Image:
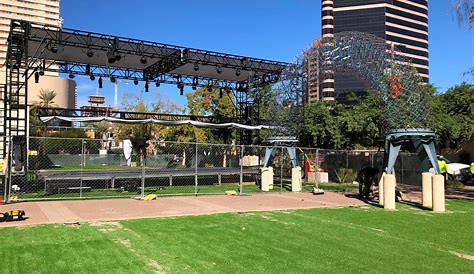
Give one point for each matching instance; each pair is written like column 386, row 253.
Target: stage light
column 181, row 88
column 196, row 67
column 90, row 53
column 92, row 77
column 219, row 69
column 88, row 69
column 111, row 58
column 118, row 57
column 135, row 82
column 238, row 72
column 221, row 92
column 143, row 60
column 100, row 82
column 184, row 55
column 41, row 72
column 54, row 49
column 157, row 83
column 37, row 77
column 71, row 76
column 209, row 87
column 147, row 87
column 113, row 79
column 195, row 82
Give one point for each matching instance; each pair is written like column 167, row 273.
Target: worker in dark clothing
column 366, row 178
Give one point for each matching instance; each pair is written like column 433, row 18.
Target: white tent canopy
column 46, row 119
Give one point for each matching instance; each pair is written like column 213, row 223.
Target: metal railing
column 67, row 168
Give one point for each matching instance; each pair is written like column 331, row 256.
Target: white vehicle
column 456, row 171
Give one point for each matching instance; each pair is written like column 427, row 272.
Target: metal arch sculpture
column 370, row 57
column 398, row 86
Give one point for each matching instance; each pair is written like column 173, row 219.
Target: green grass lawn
column 340, row 240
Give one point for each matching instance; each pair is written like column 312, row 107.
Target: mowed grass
column 339, row 240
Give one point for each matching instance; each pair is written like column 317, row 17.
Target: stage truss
column 34, row 49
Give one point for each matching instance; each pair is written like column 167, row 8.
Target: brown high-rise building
column 402, row 23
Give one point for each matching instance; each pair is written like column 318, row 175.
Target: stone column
column 438, row 193
column 389, row 191
column 426, row 188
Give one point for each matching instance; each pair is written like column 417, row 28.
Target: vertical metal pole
column 82, row 167
column 347, row 160
column 241, row 169
column 10, row 165
column 317, row 160
column 7, row 169
column 142, row 194
column 282, row 156
column 196, row 170
column 401, row 159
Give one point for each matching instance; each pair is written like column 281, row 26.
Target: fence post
column 241, row 169
column 7, row 169
column 8, row 186
column 282, row 156
column 317, row 160
column 196, row 170
column 82, row 167
column 347, row 160
column 142, row 192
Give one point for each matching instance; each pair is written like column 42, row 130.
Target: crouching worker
column 366, row 179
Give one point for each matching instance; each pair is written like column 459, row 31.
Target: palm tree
column 46, row 97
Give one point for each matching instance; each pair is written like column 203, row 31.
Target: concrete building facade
column 402, row 23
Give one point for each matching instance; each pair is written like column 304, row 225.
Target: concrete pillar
column 426, row 188
column 267, row 178
column 296, row 179
column 381, row 189
column 438, row 193
column 389, row 191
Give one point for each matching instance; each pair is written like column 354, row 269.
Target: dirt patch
column 462, row 255
column 124, row 242
column 107, row 226
column 155, row 266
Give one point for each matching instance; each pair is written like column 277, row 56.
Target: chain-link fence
column 67, row 168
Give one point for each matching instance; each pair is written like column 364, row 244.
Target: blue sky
column 269, row 29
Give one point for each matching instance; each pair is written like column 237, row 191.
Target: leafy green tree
column 452, row 115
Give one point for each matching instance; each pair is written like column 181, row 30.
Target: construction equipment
column 13, row 215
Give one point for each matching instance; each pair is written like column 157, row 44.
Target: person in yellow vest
column 443, row 168
column 472, row 168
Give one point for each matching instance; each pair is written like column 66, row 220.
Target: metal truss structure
column 390, row 76
column 34, row 49
column 399, row 88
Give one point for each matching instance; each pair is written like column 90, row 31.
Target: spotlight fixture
column 111, row 57
column 92, row 77
column 54, row 49
column 238, row 72
column 219, row 69
column 90, row 53
column 181, row 88
column 41, row 72
column 135, row 82
column 221, row 92
column 118, row 57
column 157, row 83
column 71, row 76
column 147, row 87
column 195, row 82
column 209, row 87
column 143, row 60
column 184, row 54
column 37, row 77
column 88, row 69
column 113, row 79
column 100, row 82
column 196, row 67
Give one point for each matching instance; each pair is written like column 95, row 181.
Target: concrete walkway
column 47, row 212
